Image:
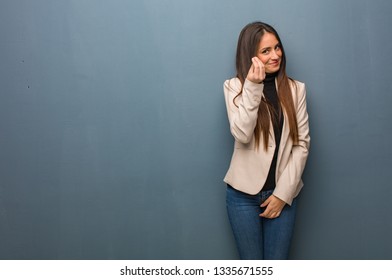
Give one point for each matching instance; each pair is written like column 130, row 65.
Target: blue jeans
column 256, row 237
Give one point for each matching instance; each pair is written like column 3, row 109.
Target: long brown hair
column 248, row 43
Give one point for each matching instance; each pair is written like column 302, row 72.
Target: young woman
column 269, row 122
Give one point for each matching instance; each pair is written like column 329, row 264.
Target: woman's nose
column 274, row 55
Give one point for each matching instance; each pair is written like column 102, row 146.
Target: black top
column 271, row 96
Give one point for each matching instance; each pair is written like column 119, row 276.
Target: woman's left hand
column 273, row 207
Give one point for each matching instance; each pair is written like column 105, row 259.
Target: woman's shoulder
column 297, row 83
column 297, row 86
column 298, row 90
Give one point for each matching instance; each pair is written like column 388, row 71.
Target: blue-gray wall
column 114, row 138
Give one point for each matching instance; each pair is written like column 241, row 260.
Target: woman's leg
column 278, row 233
column 243, row 211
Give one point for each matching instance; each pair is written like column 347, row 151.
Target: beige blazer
column 249, row 167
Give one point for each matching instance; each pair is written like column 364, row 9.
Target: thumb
column 265, row 203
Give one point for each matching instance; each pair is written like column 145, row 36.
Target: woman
column 269, row 122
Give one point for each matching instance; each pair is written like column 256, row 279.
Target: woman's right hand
column 256, row 72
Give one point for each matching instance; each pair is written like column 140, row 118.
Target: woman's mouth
column 274, row 63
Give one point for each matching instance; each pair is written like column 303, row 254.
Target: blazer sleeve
column 288, row 183
column 243, row 118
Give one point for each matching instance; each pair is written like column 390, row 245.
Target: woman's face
column 269, row 52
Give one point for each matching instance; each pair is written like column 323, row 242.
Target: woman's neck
column 270, row 76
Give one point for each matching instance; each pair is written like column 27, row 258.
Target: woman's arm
column 243, row 118
column 290, row 178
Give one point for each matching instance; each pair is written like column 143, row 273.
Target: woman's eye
column 265, row 52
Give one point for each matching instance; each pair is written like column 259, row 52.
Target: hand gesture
column 256, row 72
column 273, row 207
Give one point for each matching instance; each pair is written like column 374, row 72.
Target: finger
column 266, row 202
column 261, row 74
column 258, row 62
column 252, row 67
column 256, row 59
column 272, row 215
column 276, row 215
column 267, row 216
column 255, row 66
column 266, row 213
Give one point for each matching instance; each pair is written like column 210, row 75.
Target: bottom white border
column 195, row 269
